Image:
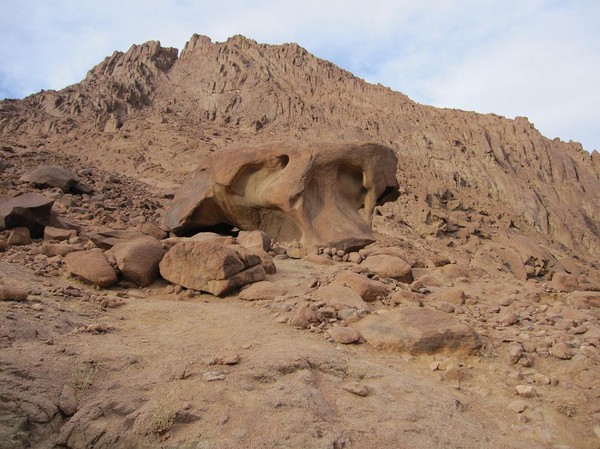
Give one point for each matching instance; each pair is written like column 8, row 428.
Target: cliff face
column 153, row 114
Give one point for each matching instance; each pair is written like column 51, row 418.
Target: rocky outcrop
column 317, row 194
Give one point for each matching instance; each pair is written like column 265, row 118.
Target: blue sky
column 534, row 58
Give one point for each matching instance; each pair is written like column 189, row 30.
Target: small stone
column 453, row 372
column 590, row 352
column 303, row 317
column 228, row 359
column 68, row 400
column 211, row 376
column 517, row 406
column 515, row 351
column 454, row 296
column 295, row 253
column 526, row 391
column 344, row 335
column 19, row 236
column 357, row 389
column 561, row 351
column 508, row 319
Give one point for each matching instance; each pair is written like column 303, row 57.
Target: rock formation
column 316, row 194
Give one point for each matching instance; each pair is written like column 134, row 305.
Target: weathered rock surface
column 210, row 267
column 319, row 194
column 29, row 210
column 93, row 266
column 418, row 330
column 138, row 259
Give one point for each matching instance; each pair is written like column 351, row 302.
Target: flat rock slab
column 418, row 330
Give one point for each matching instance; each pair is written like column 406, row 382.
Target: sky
column 533, row 58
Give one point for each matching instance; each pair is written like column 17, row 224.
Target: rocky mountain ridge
column 159, row 113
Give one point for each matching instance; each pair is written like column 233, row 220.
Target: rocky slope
column 473, row 321
column 158, row 113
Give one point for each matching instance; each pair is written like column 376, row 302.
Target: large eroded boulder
column 319, row 194
column 210, row 266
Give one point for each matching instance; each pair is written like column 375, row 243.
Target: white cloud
column 536, row 58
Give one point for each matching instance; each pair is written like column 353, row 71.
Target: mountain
column 156, row 113
column 472, row 321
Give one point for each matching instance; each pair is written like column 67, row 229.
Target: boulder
column 262, row 290
column 138, row 259
column 418, row 330
column 12, row 293
column 368, row 289
column 318, row 194
column 58, row 234
column 92, row 266
column 210, row 267
column 564, row 282
column 265, row 259
column 19, row 236
column 48, row 176
column 254, row 239
column 29, row 210
column 340, row 295
column 389, row 267
column 344, row 335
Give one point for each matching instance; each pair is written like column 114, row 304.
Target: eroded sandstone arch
column 319, row 194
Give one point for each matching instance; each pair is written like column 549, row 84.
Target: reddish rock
column 368, row 289
column 210, row 267
column 340, row 295
column 390, row 267
column 254, row 239
column 93, row 266
column 138, row 259
column 58, row 234
column 344, row 335
column 262, row 290
column 563, row 282
column 418, row 330
column 12, row 293
column 304, row 317
column 293, row 191
column 19, row 237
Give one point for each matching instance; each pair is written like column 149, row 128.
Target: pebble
column 358, row 389
column 211, row 376
column 517, row 406
column 526, row 391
